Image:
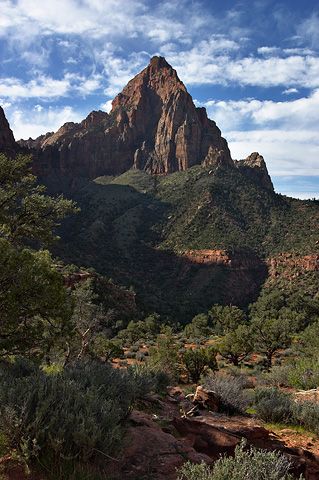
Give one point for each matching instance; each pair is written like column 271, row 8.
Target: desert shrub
column 197, row 362
column 65, row 418
column 130, row 354
column 232, row 398
column 140, row 356
column 253, row 464
column 147, row 379
column 134, row 348
column 122, row 363
column 261, row 361
column 194, row 471
column 241, row 375
column 306, row 414
column 279, row 375
column 305, row 374
column 272, row 405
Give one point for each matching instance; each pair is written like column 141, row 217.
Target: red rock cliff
column 154, row 126
column 7, row 142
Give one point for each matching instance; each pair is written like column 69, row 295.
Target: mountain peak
column 159, row 62
column 153, row 126
column 255, row 167
column 7, row 141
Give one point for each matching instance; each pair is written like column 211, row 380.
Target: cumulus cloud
column 42, row 87
column 42, row 119
column 285, row 133
column 48, row 88
column 199, row 66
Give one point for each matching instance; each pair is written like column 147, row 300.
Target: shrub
column 232, row 398
column 306, row 414
column 273, row 405
column 193, row 471
column 245, row 465
column 278, row 376
column 130, row 355
column 146, row 379
column 305, row 375
column 140, row 356
column 197, row 361
column 64, row 418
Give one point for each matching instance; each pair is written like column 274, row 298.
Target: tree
column 198, row 328
column 35, row 308
column 227, row 319
column 34, row 305
column 273, row 324
column 87, row 318
column 165, row 355
column 236, row 345
column 26, row 212
column 199, row 360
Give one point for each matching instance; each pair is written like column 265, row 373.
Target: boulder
column 206, row 398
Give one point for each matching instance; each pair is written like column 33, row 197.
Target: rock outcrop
column 153, row 126
column 7, row 141
column 255, row 168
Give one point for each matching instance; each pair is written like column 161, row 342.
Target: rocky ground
column 166, row 432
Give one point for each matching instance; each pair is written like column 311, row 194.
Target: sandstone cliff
column 7, row 142
column 255, row 168
column 153, row 126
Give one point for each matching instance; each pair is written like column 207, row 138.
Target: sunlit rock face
column 153, row 126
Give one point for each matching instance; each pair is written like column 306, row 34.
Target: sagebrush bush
column 306, row 414
column 140, row 356
column 305, row 375
column 273, row 405
column 245, row 465
column 147, row 379
column 279, row 375
column 74, row 416
column 232, row 399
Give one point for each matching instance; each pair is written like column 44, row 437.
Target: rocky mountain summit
column 153, row 126
column 7, row 142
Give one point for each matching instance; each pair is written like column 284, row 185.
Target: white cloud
column 42, row 87
column 42, row 119
column 282, row 150
column 107, row 106
column 309, row 30
column 48, row 88
column 120, row 71
column 285, row 133
column 302, row 113
column 289, row 91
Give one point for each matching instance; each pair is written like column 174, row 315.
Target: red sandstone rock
column 7, row 142
column 153, row 126
column 148, row 452
column 206, row 398
column 254, row 166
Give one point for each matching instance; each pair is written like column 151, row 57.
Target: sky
column 254, row 65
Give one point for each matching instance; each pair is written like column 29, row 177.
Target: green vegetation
column 34, row 306
column 199, row 360
column 253, row 464
column 67, row 419
column 62, row 404
column 136, row 228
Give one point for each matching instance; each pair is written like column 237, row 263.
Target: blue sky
column 253, row 64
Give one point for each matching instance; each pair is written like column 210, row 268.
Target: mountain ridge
column 153, row 126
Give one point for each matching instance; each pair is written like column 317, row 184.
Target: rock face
column 153, row 126
column 7, row 142
column 254, row 167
